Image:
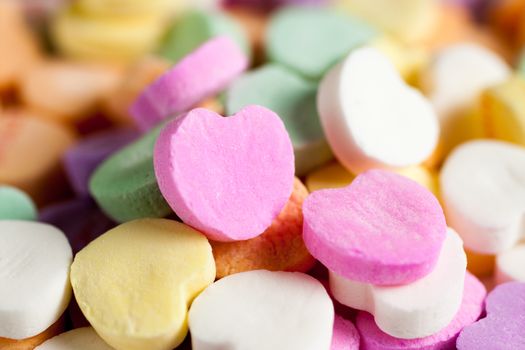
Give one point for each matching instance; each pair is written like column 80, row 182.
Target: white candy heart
column 34, row 277
column 371, row 118
column 510, row 265
column 261, row 310
column 483, row 194
column 78, row 339
column 414, row 310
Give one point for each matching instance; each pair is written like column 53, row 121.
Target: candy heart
column 471, row 308
column 345, row 335
column 413, row 310
column 293, row 99
column 382, row 229
column 279, row 248
column 16, row 204
column 135, row 282
column 227, row 177
column 79, row 339
column 509, row 265
column 312, row 39
column 201, row 74
column 504, row 324
column 483, row 193
column 34, row 277
column 260, row 310
column 371, row 118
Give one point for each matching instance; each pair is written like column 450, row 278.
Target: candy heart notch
column 34, row 277
column 371, row 118
column 227, row 177
column 415, row 310
column 504, row 324
column 483, row 194
column 382, row 229
column 135, row 282
column 260, row 310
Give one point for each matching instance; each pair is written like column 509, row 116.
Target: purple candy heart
column 82, row 159
column 504, row 326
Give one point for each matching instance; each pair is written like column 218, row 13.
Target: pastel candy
column 130, row 7
column 486, row 209
column 413, row 310
column 401, row 246
column 202, row 74
column 80, row 219
column 16, row 204
column 42, row 143
column 363, row 92
column 241, row 167
column 279, row 247
column 124, row 185
column 504, row 110
column 81, row 160
column 372, row 338
column 293, row 99
column 503, row 326
column 454, row 81
column 120, row 39
column 312, row 39
column 34, row 277
column 408, row 20
column 345, row 335
column 196, row 27
column 32, row 342
column 78, row 339
column 334, row 175
column 161, row 266
column 509, row 265
column 46, row 86
column 218, row 316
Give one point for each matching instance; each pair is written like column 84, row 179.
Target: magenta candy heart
column 227, row 177
column 201, row 74
column 345, row 336
column 382, row 229
column 372, row 338
column 504, row 326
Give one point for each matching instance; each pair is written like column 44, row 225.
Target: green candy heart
column 312, row 39
column 196, row 27
column 293, row 98
column 125, row 186
column 16, row 204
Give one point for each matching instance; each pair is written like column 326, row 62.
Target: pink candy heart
column 227, row 177
column 504, row 326
column 345, row 336
column 382, row 229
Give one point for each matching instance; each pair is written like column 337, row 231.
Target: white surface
column 261, row 310
column 459, row 73
column 371, row 118
column 510, row 265
column 483, row 194
column 415, row 310
column 34, row 277
column 78, row 339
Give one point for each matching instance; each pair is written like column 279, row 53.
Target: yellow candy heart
column 136, row 282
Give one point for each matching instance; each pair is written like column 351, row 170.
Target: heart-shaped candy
column 483, row 194
column 135, row 282
column 415, row 310
column 510, row 265
column 471, row 308
column 503, row 327
column 345, row 335
column 16, row 204
column 34, row 277
column 227, row 177
column 261, row 310
column 382, row 229
column 371, row 118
